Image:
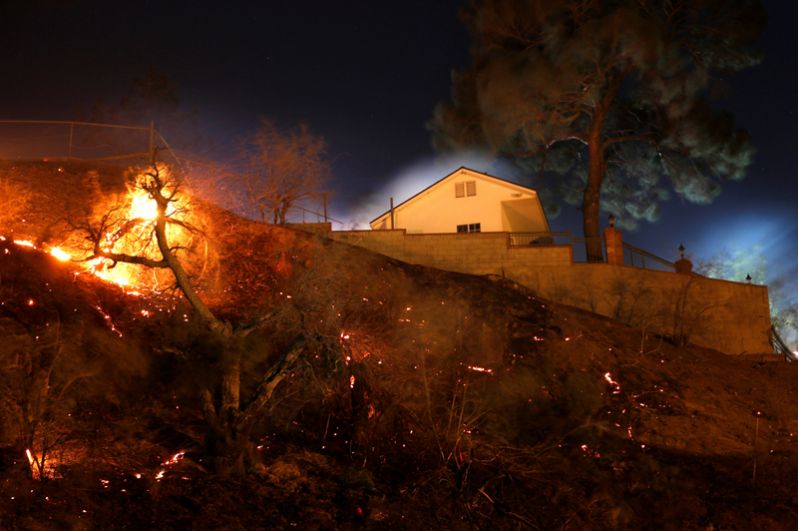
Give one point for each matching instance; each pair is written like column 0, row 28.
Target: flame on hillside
column 41, row 468
column 125, row 224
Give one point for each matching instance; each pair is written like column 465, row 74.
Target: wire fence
column 83, row 141
column 132, row 145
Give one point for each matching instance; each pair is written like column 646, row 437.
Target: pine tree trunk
column 591, row 202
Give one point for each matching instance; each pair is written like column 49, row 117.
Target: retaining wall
column 728, row 316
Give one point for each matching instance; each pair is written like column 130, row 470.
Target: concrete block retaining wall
column 728, row 316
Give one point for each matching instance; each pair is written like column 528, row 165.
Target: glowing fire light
column 40, row 468
column 174, row 459
column 60, row 254
column 476, row 368
column 142, row 206
column 130, row 231
column 169, row 462
column 616, row 386
column 108, row 321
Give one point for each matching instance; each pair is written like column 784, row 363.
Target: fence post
column 71, row 131
column 151, row 143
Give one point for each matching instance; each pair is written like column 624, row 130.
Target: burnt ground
column 458, row 402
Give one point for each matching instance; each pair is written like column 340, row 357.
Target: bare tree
column 283, row 168
column 230, row 418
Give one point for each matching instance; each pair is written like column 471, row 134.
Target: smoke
column 760, row 245
column 414, row 177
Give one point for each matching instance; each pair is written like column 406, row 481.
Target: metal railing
column 532, row 239
column 633, row 256
column 638, row 257
column 780, row 347
column 525, row 239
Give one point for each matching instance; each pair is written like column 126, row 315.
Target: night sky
column 366, row 76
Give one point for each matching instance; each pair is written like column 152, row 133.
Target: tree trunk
column 591, row 202
column 231, row 386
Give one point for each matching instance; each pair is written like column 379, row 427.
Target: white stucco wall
column 438, row 210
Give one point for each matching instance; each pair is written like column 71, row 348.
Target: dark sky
column 366, row 75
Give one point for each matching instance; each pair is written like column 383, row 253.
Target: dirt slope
column 474, row 404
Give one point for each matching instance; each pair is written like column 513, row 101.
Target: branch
column 130, row 259
column 270, row 382
column 210, row 411
column 245, row 330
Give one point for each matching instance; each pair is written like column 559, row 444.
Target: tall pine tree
column 604, row 99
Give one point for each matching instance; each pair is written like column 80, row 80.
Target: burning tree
column 282, row 169
column 154, row 227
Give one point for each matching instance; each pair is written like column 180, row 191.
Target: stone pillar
column 683, row 265
column 613, row 239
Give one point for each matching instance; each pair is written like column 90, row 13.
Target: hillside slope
column 463, row 402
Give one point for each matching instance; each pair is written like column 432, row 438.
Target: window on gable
column 465, row 188
column 469, row 227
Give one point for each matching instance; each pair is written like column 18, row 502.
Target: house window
column 465, row 188
column 469, row 227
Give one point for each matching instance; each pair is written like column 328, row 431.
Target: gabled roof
column 480, row 174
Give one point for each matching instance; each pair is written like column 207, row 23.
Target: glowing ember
column 616, row 386
column 25, row 243
column 30, row 302
column 109, row 321
column 352, row 381
column 476, row 368
column 174, row 459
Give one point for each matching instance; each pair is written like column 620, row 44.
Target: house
column 467, row 201
column 728, row 316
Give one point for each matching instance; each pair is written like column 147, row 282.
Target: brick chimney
column 613, row 240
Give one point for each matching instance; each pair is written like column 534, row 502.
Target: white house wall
column 437, row 210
